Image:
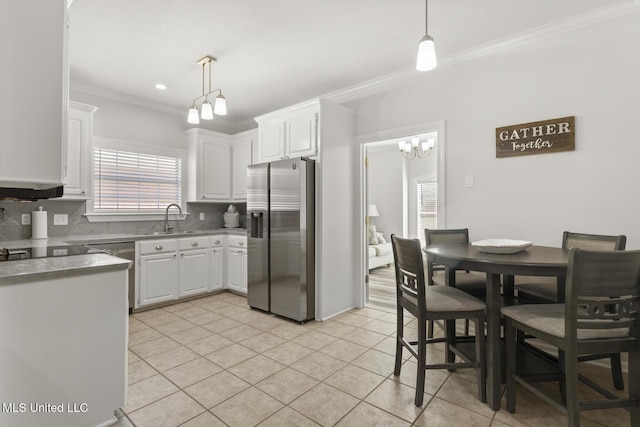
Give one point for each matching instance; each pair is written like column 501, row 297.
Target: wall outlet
column 60, row 219
column 201, row 216
column 26, row 219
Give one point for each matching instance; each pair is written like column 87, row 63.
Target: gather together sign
column 547, row 136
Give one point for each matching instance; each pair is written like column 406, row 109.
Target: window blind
column 126, row 181
column 427, row 207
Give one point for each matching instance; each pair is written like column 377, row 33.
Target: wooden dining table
column 533, row 261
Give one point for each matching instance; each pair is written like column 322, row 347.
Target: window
column 427, row 202
column 134, row 181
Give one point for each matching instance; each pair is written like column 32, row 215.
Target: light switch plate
column 201, row 216
column 60, row 219
column 26, row 219
column 468, row 181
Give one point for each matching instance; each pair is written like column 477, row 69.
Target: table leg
column 494, row 382
column 508, row 287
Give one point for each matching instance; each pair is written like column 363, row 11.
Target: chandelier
column 206, row 111
column 416, row 149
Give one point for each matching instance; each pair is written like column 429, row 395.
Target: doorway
column 389, row 195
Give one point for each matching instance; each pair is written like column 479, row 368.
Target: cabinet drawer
column 198, row 242
column 217, row 241
column 157, row 246
column 237, row 241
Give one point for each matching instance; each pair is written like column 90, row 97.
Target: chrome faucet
column 167, row 228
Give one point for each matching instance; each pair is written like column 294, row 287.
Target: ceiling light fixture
column 161, row 86
column 426, row 48
column 206, row 111
column 416, row 149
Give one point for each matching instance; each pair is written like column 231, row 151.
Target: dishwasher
column 126, row 250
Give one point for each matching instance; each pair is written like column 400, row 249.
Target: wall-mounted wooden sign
column 547, row 136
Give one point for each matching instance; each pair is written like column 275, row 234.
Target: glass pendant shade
column 220, row 107
column 207, row 111
column 193, row 116
column 426, row 54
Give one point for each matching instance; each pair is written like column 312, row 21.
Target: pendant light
column 426, row 48
column 206, row 110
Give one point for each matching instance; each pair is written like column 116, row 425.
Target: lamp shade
column 220, row 107
column 426, row 54
column 373, row 210
column 207, row 111
column 193, row 116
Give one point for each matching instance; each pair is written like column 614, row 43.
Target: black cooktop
column 42, row 252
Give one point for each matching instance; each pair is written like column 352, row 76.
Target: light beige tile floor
column 215, row 362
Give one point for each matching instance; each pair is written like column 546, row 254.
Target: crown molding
column 605, row 13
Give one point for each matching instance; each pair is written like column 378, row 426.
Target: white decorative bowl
column 501, row 246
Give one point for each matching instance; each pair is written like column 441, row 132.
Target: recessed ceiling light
column 161, row 86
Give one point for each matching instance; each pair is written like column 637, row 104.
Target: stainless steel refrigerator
column 281, row 237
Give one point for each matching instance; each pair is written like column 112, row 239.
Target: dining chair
column 544, row 290
column 584, row 324
column 428, row 303
column 471, row 283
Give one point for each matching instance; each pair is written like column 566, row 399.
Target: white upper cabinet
column 34, row 88
column 302, row 136
column 209, row 169
column 217, row 169
column 270, row 142
column 292, row 132
column 77, row 167
column 241, row 153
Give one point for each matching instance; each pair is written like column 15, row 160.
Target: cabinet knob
column 217, row 242
column 194, row 244
column 159, row 248
column 241, row 243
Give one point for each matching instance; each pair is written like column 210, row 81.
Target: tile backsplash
column 11, row 214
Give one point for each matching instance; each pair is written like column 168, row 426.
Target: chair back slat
column 603, row 289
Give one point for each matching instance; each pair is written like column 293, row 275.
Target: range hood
column 29, row 194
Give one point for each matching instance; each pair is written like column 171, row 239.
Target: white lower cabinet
column 217, row 263
column 237, row 263
column 170, row 269
column 158, row 275
column 237, row 270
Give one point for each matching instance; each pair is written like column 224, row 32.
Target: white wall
column 337, row 235
column 591, row 73
column 127, row 122
column 385, row 188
